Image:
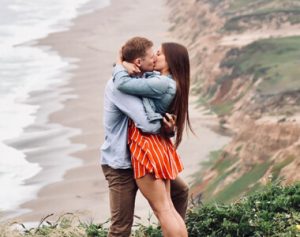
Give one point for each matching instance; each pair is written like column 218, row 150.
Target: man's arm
column 133, row 107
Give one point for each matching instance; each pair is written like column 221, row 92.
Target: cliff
column 245, row 68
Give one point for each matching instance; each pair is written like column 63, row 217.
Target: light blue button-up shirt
column 118, row 108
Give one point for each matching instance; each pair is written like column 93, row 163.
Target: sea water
column 26, row 68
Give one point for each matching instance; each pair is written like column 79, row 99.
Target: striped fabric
column 152, row 153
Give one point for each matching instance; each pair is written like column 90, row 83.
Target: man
column 116, row 164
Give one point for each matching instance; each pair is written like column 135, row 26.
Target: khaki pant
column 122, row 193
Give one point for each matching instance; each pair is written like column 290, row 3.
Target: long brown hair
column 178, row 61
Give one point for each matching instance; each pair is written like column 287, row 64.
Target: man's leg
column 179, row 195
column 122, row 193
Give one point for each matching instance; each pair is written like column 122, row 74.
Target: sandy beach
column 94, row 40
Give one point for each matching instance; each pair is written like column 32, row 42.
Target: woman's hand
column 169, row 124
column 131, row 68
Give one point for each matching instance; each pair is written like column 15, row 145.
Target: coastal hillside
column 245, row 59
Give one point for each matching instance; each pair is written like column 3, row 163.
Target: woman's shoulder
column 163, row 81
column 158, row 76
column 151, row 74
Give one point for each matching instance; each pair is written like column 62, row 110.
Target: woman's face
column 161, row 64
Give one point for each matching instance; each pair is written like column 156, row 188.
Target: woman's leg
column 156, row 192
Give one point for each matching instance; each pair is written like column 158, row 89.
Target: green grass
column 275, row 60
column 237, row 188
column 67, row 225
column 224, row 165
column 254, row 5
column 223, row 108
column 201, row 101
column 279, row 166
column 212, row 158
column 238, row 5
column 220, row 162
column 239, row 148
column 274, row 210
column 258, row 11
column 211, row 187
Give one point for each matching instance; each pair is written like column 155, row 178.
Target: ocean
column 25, row 69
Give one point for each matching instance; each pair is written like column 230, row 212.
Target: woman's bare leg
column 157, row 194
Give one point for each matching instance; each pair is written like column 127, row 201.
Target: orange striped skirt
column 152, row 153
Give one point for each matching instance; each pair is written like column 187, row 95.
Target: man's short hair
column 134, row 48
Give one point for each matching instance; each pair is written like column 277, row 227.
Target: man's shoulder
column 118, row 96
column 109, row 83
column 109, row 86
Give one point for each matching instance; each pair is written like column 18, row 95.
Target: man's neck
column 140, row 74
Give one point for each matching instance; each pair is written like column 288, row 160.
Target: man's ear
column 137, row 62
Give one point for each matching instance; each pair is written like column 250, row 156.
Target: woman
column 154, row 157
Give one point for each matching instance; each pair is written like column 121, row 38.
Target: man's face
column 147, row 62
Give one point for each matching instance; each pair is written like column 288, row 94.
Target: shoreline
column 83, row 189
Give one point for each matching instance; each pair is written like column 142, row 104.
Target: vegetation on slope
column 273, row 211
column 273, row 61
column 242, row 15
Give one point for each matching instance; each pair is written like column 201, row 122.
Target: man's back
column 118, row 108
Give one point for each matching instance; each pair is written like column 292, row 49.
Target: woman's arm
column 151, row 87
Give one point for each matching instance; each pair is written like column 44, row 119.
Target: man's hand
column 169, row 125
column 131, row 68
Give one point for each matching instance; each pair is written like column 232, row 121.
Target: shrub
column 274, row 211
